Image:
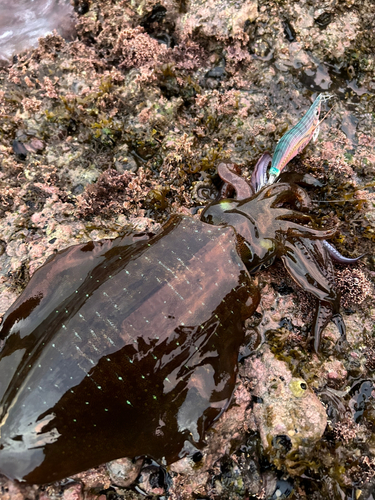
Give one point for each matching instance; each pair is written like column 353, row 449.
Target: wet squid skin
column 129, row 347
column 122, row 348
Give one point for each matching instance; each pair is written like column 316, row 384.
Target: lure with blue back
column 297, row 138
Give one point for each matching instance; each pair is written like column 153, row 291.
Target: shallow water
column 23, row 22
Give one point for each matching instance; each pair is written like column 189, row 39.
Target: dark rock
column 289, row 31
column 323, row 20
column 282, row 289
column 218, row 72
column 19, row 150
column 155, row 16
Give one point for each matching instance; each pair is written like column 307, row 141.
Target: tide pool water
column 23, row 22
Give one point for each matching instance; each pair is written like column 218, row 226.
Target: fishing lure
column 297, row 138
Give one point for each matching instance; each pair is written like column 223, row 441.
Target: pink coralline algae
column 354, row 286
column 136, row 48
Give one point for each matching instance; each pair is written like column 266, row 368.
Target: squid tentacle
column 296, row 194
column 297, row 230
column 316, row 279
column 292, row 214
column 286, row 193
column 323, row 315
column 304, row 180
column 242, row 188
column 287, row 177
column 336, row 255
column 275, row 190
column 258, row 178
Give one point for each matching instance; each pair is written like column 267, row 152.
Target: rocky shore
column 124, row 125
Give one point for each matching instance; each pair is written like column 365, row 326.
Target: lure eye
column 317, row 112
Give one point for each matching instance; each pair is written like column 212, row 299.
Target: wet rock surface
column 287, row 414
column 123, row 126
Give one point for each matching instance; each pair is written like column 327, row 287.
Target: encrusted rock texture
column 126, row 124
